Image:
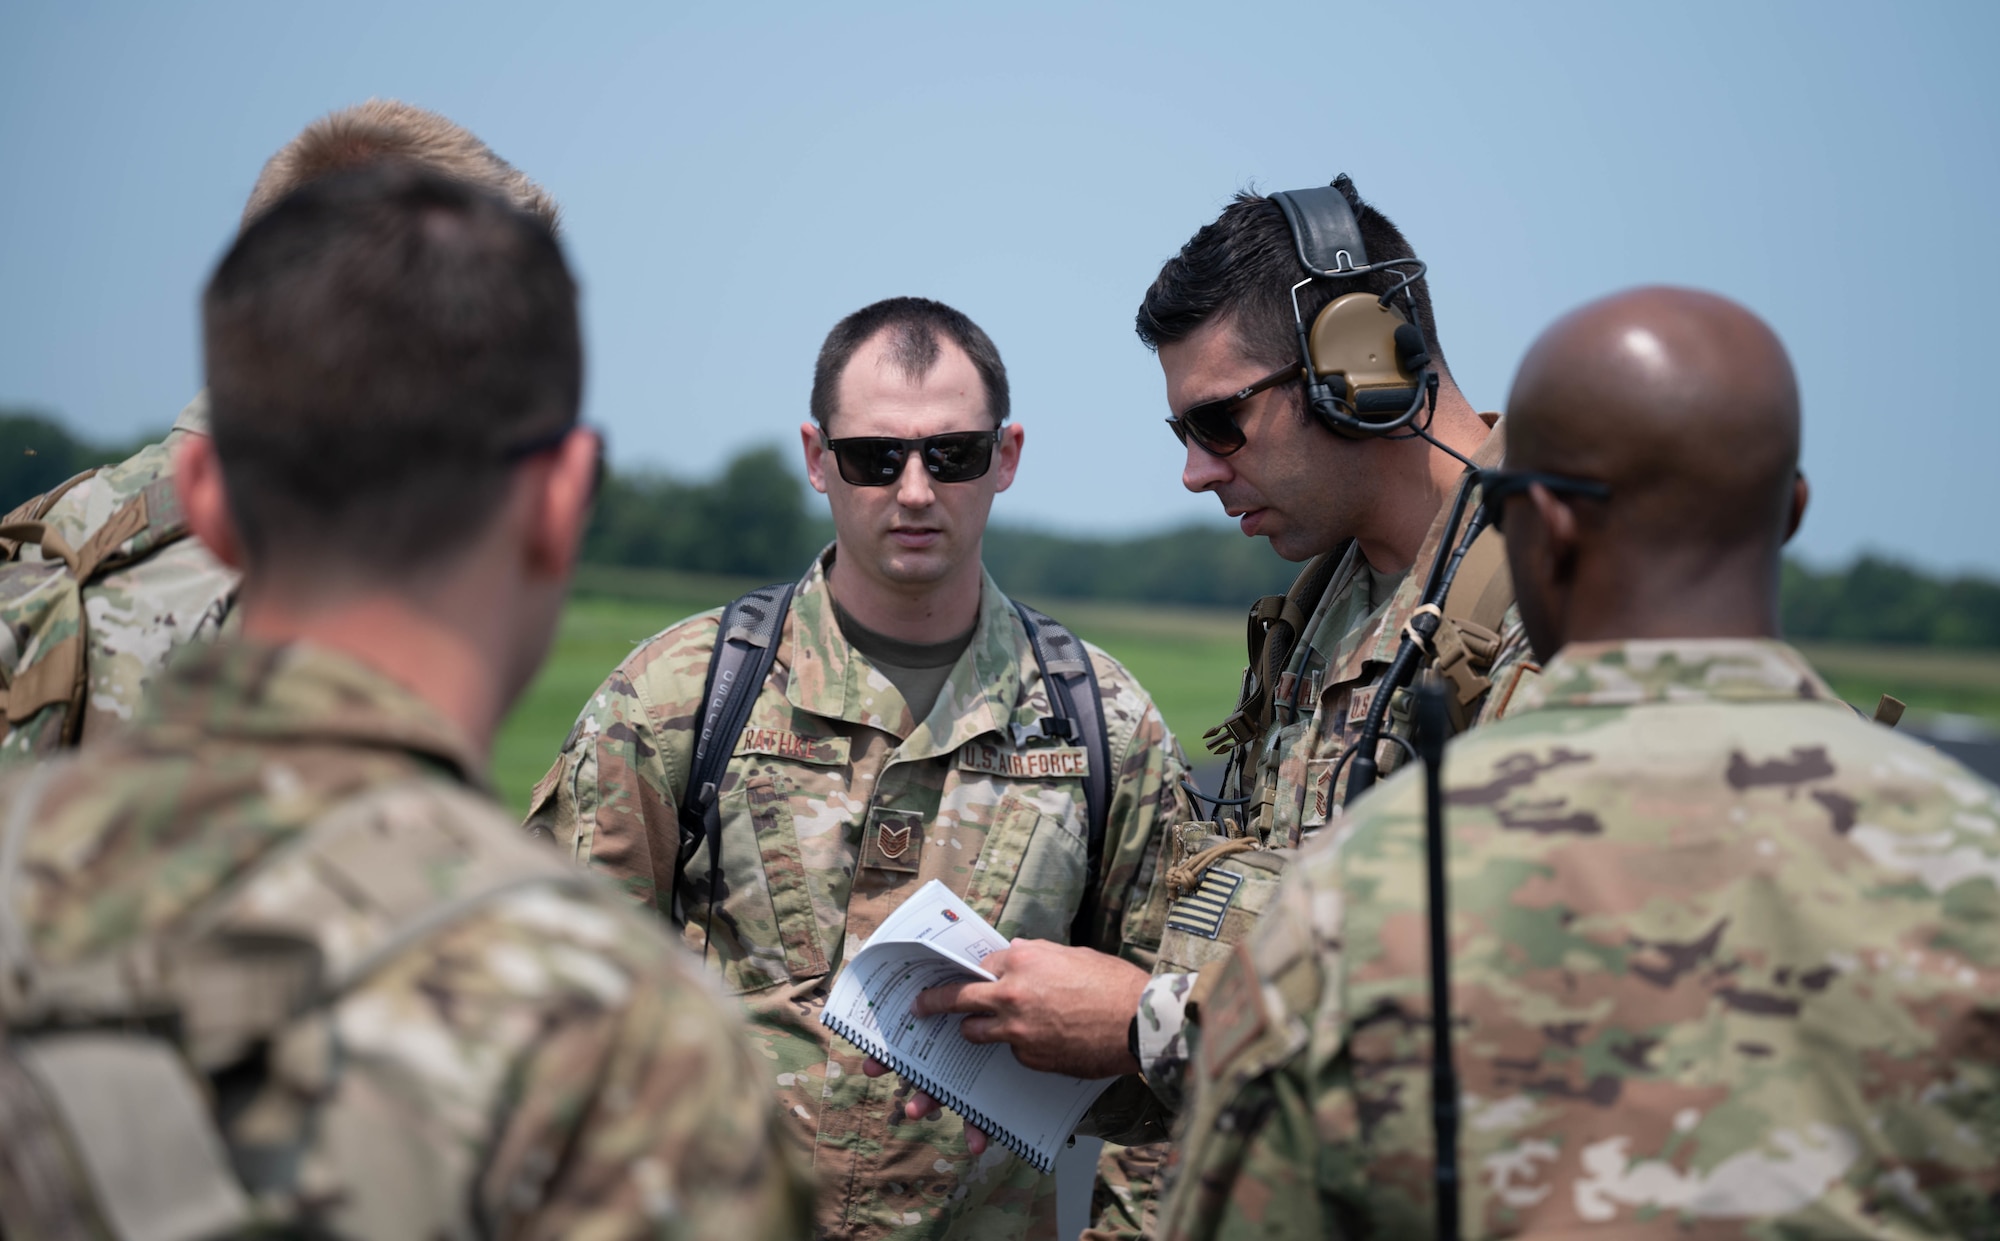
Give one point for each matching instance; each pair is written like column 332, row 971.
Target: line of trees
column 757, row 518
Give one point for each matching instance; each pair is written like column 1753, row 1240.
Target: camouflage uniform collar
column 1679, row 670
column 241, row 688
column 977, row 699
column 194, row 418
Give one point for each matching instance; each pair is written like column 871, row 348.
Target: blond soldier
column 898, row 738
column 274, row 959
column 103, row 582
column 1723, row 953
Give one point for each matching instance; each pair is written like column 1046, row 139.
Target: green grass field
column 1190, row 659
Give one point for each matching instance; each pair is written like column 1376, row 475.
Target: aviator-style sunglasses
column 878, row 460
column 1496, row 487
column 1212, row 424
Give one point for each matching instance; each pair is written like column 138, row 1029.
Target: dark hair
column 1244, row 265
column 915, row 324
column 376, row 344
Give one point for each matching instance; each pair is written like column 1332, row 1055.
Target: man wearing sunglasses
column 1723, row 953
column 900, row 736
column 1367, row 515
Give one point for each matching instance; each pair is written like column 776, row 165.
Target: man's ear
column 809, row 438
column 205, row 501
column 1559, row 532
column 1011, row 439
column 1801, row 496
column 562, row 502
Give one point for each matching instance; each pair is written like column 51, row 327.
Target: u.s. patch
column 1200, row 911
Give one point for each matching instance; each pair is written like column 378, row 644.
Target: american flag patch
column 1200, row 911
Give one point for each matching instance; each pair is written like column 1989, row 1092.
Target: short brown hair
column 1242, row 266
column 387, row 129
column 914, row 325
column 381, row 345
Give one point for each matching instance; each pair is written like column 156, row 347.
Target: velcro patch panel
column 1200, row 911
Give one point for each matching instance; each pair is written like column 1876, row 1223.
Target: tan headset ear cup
column 1354, row 337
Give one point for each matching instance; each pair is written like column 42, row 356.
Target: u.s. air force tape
column 1053, row 763
column 1200, row 911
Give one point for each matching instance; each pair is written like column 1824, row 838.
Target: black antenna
column 1433, row 724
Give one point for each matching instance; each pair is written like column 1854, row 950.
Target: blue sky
column 736, row 178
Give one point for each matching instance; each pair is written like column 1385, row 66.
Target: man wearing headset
column 899, row 736
column 1723, row 955
column 1319, row 410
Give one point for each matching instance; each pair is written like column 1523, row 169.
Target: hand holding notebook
column 933, row 939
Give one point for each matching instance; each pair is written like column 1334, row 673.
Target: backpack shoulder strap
column 34, row 511
column 746, row 645
column 1275, row 624
column 1472, row 615
column 1078, row 704
column 59, row 671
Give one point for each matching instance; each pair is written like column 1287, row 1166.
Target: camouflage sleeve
column 595, row 1085
column 1125, row 1202
column 1259, row 1152
column 1146, row 800
column 612, row 799
column 1163, row 1042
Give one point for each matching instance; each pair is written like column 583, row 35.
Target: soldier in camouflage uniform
column 1722, row 953
column 292, row 869
column 88, row 619
column 843, row 797
column 1369, row 517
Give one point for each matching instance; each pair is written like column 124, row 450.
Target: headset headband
column 1323, row 225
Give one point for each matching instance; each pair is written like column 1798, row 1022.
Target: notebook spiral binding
column 909, row 1073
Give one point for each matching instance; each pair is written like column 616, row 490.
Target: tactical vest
column 44, row 655
column 109, row 1067
column 1222, row 874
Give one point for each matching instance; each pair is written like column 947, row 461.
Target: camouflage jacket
column 1288, row 779
column 1724, row 965
column 838, row 805
column 133, row 615
column 542, row 1063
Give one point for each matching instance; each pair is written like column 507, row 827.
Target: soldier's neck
column 924, row 613
column 1638, row 593
column 435, row 657
column 1423, row 478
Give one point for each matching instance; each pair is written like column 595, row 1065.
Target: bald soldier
column 1723, row 954
column 99, row 579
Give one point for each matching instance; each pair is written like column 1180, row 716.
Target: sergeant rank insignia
column 1200, row 911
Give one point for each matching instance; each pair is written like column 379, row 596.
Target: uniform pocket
column 1030, row 874
column 765, row 932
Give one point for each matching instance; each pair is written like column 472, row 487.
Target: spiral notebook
column 932, row 939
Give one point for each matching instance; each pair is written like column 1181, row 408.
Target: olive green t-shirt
column 918, row 670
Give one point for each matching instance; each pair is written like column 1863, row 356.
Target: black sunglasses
column 1496, row 487
column 878, row 460
column 514, row 454
column 1212, row 424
